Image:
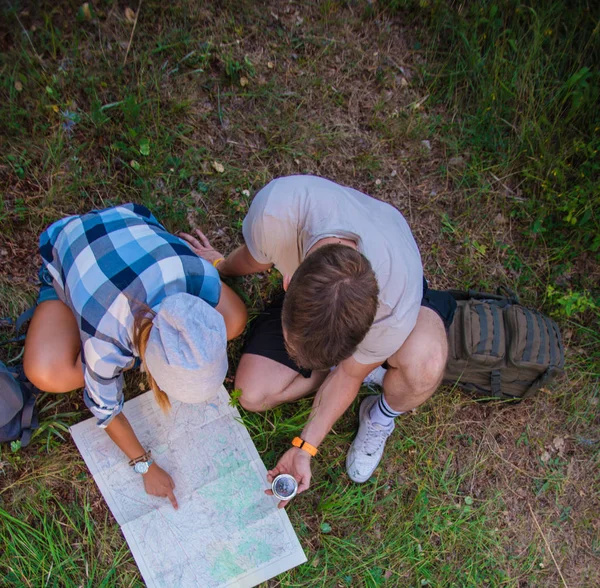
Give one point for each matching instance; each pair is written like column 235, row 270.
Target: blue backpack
column 18, row 416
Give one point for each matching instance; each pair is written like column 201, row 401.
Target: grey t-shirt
column 289, row 215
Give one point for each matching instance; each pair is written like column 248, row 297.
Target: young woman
column 119, row 290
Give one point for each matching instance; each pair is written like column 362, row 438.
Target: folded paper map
column 226, row 532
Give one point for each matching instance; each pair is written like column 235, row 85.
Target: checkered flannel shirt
column 101, row 264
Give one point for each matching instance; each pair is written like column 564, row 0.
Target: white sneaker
column 375, row 378
column 366, row 450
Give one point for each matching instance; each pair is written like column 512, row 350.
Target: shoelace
column 375, row 438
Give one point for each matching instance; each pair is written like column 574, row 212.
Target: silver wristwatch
column 142, row 467
column 142, row 464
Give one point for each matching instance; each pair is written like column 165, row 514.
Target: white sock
column 382, row 413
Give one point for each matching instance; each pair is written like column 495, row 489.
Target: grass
column 506, row 95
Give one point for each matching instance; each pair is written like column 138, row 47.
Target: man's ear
column 286, row 281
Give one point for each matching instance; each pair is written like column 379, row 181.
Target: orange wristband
column 302, row 444
column 216, row 262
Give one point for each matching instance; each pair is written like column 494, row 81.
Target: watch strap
column 302, row 444
column 145, row 457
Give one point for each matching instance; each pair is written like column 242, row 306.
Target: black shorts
column 266, row 332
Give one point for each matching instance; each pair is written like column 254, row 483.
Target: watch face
column 141, row 467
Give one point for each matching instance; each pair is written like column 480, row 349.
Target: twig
column 28, row 38
column 547, row 545
column 219, row 111
column 511, row 192
column 137, row 14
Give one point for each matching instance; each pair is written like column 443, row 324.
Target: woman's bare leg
column 52, row 359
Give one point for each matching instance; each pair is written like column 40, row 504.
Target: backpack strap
column 26, row 420
column 496, row 384
column 547, row 376
column 475, row 295
column 506, row 292
column 15, row 340
column 24, row 317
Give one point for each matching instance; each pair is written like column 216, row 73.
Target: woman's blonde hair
column 142, row 324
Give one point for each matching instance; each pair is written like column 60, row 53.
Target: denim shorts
column 47, row 289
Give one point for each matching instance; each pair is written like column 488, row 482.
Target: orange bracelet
column 302, row 444
column 216, row 262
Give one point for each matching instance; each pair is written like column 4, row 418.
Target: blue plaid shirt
column 101, row 264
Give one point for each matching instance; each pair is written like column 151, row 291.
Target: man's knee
column 252, row 398
column 424, row 372
column 427, row 374
column 253, row 403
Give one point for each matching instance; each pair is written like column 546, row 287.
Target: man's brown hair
column 329, row 306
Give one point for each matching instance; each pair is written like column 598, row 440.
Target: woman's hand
column 296, row 462
column 202, row 247
column 158, row 483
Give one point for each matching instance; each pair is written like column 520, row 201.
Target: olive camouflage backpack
column 498, row 348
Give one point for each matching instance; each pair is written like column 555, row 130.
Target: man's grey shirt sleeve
column 253, row 229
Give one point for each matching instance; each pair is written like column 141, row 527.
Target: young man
column 355, row 298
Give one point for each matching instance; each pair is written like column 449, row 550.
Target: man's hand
column 158, row 483
column 202, row 247
column 296, row 462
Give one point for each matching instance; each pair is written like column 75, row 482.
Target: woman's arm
column 238, row 263
column 156, row 481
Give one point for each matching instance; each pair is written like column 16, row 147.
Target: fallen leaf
column 456, row 161
column 545, row 457
column 145, row 147
column 129, row 15
column 218, row 167
column 85, row 12
column 270, row 65
column 55, row 108
column 559, row 444
column 243, row 81
column 18, row 86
